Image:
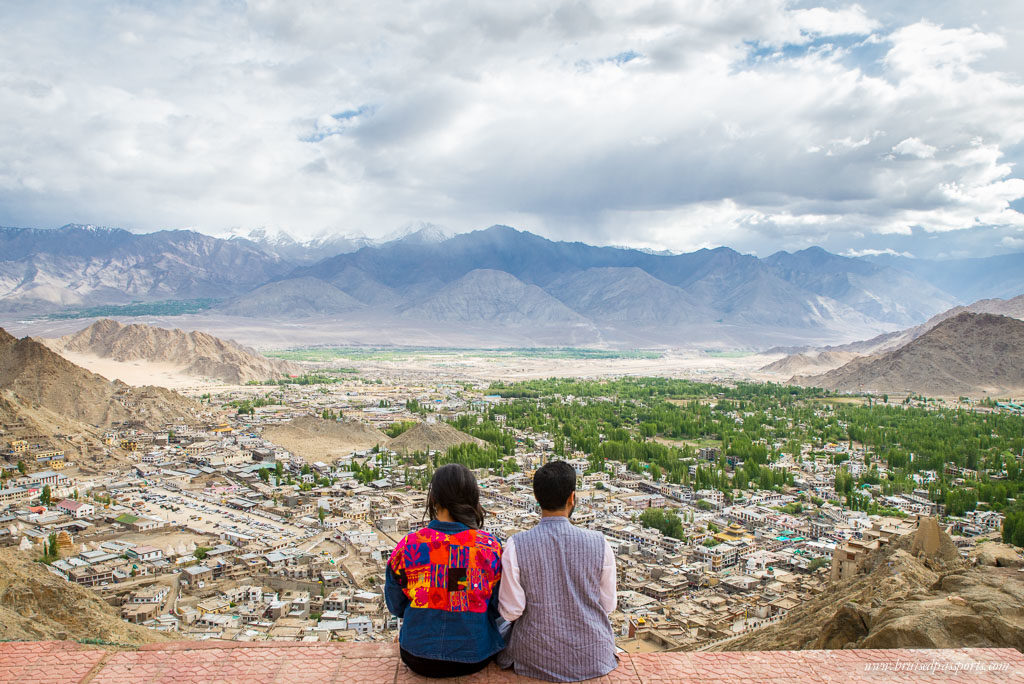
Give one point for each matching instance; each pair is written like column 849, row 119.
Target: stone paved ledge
column 42, row 662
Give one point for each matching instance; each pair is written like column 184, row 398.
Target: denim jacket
column 443, row 581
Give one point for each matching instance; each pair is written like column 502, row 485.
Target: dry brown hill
column 33, row 376
column 316, row 439
column 431, row 436
column 195, row 353
column 36, row 605
column 969, row 354
column 809, row 362
column 916, row 593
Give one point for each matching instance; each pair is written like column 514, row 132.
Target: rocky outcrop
column 917, row 592
column 36, row 604
column 997, row 555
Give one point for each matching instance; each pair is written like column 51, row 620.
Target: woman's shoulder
column 424, row 534
column 487, row 540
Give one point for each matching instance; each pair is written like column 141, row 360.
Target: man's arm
column 608, row 579
column 511, row 597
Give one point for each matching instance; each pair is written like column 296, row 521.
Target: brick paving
column 186, row 662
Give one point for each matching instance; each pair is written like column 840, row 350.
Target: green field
column 170, row 307
column 719, row 354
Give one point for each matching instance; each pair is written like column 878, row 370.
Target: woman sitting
column 443, row 581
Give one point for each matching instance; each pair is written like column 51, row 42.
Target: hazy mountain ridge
column 292, row 298
column 496, row 297
column 1000, row 276
column 714, row 285
column 622, row 296
column 296, row 251
column 856, row 283
column 829, row 357
column 77, row 265
column 196, row 353
column 627, row 294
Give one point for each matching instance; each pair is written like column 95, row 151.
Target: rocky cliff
column 915, row 593
column 36, row 604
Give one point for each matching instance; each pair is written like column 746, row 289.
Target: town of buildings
column 214, row 532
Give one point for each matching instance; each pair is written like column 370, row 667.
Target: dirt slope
column 431, row 436
column 37, row 605
column 315, row 439
column 809, row 362
column 33, row 375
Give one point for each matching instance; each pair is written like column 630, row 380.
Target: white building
column 76, row 509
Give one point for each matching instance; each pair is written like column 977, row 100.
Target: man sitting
column 558, row 586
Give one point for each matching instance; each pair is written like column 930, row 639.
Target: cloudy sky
column 757, row 124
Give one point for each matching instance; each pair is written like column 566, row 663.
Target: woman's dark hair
column 454, row 488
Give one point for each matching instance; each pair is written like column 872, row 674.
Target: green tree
column 321, row 514
column 666, row 521
column 1013, row 528
column 44, row 496
column 399, row 426
column 818, row 562
column 279, row 470
column 22, row 468
column 51, row 546
column 264, row 475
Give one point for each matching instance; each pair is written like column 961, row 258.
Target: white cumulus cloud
column 914, row 147
column 670, row 123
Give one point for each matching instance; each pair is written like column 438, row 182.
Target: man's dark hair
column 553, row 483
column 454, row 488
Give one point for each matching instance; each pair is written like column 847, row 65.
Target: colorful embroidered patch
column 448, row 572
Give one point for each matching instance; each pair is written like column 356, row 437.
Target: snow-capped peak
column 418, row 233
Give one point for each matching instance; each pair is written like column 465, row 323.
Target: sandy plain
column 464, row 358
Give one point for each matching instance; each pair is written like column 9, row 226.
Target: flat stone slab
column 187, row 662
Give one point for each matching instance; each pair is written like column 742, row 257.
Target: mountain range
column 84, row 265
column 498, row 278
